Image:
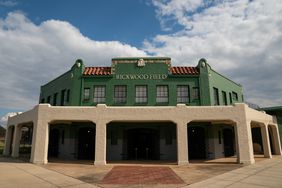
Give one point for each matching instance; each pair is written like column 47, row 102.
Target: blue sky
column 41, row 39
column 128, row 21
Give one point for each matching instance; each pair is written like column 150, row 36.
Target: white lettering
column 141, row 76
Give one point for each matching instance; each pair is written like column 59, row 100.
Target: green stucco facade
column 68, row 89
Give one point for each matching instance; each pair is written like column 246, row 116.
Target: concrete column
column 40, row 139
column 245, row 143
column 16, row 141
column 182, row 143
column 275, row 140
column 100, row 143
column 265, row 141
column 8, row 141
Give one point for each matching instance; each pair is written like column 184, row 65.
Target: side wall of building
column 216, row 89
column 64, row 90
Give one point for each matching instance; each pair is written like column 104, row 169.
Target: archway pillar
column 16, row 141
column 40, row 139
column 8, row 141
column 100, row 143
column 275, row 139
column 245, row 145
column 265, row 141
column 182, row 143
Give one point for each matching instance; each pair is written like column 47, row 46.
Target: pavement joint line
column 37, row 176
column 95, row 184
column 50, row 181
column 268, row 166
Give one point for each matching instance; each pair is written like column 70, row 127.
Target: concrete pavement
column 27, row 175
column 263, row 174
column 266, row 173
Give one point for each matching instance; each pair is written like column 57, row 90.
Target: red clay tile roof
column 97, row 71
column 184, row 70
column 107, row 71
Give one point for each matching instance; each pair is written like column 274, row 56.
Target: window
column 49, row 99
column 120, row 94
column 224, row 97
column 215, row 96
column 234, row 96
column 141, row 94
column 63, row 97
column 162, row 94
column 183, row 94
column 86, row 94
column 99, row 94
column 55, row 99
column 195, row 94
column 68, row 96
column 230, row 98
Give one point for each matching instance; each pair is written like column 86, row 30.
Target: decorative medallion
column 141, row 63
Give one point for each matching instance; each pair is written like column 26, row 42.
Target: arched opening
column 71, row 141
column 228, row 141
column 212, row 140
column 54, row 137
column 257, row 139
column 197, row 142
column 274, row 140
column 26, row 140
column 143, row 144
column 141, row 141
column 86, row 143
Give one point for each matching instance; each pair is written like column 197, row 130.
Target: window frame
column 84, row 94
column 195, row 95
column 120, row 96
column 216, row 96
column 141, row 97
column 55, row 99
column 224, row 97
column 180, row 96
column 234, row 96
column 99, row 99
column 162, row 94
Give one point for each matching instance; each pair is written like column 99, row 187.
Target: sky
column 39, row 40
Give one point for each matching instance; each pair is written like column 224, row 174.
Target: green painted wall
column 71, row 80
column 127, row 72
column 210, row 79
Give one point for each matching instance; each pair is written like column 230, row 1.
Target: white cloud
column 32, row 55
column 4, row 119
column 241, row 39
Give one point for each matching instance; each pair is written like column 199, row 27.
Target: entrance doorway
column 86, row 143
column 143, row 144
column 53, row 149
column 228, row 139
column 196, row 142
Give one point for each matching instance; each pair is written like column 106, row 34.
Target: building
column 143, row 109
column 277, row 112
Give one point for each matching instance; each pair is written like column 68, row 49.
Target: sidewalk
column 26, row 175
column 266, row 173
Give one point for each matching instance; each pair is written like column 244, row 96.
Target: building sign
column 141, row 76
